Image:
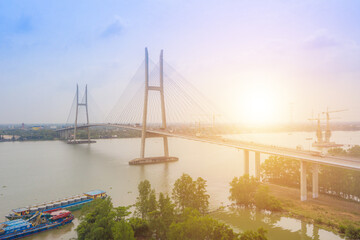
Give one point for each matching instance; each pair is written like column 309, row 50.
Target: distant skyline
column 252, row 58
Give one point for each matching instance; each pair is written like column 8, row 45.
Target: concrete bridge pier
column 257, row 165
column 160, row 89
column 303, row 185
column 246, row 162
column 68, row 134
column 315, row 180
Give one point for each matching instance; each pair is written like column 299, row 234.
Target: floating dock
column 152, row 160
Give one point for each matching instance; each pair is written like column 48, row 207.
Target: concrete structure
column 306, row 158
column 303, row 185
column 66, row 134
column 246, row 162
column 257, row 165
column 315, row 179
column 160, row 89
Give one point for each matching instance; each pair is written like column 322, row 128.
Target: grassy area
column 326, row 211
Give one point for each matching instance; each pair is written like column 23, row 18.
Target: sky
column 252, row 58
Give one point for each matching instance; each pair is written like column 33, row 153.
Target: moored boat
column 70, row 203
column 39, row 222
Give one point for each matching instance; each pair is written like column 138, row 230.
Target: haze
column 253, row 58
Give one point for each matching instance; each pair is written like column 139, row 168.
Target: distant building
column 9, row 137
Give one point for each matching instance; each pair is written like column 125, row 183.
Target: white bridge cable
column 184, row 104
column 96, row 114
column 130, row 90
column 209, row 108
column 72, row 112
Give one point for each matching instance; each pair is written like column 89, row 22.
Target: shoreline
column 326, row 211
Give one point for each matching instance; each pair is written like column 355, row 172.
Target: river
column 36, row 172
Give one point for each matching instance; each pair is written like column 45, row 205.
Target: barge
column 70, row 203
column 40, row 221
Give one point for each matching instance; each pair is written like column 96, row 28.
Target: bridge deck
column 343, row 162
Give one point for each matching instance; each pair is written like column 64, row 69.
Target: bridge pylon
column 78, row 105
column 160, row 89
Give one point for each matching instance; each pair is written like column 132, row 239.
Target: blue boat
column 70, row 203
column 41, row 221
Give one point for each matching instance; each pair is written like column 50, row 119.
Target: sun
column 257, row 105
column 260, row 108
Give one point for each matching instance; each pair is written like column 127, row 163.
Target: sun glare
column 257, row 105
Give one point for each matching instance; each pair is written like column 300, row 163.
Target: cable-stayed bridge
column 159, row 102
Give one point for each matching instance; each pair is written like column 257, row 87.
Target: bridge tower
column 78, row 105
column 160, row 89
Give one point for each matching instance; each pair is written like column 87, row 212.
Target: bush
column 342, row 229
column 196, row 226
column 264, row 201
column 242, row 190
column 318, row 220
column 254, row 235
column 352, row 232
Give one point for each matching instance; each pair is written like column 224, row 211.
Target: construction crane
column 318, row 131
column 328, row 131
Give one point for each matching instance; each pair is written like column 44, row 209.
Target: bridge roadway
column 307, row 156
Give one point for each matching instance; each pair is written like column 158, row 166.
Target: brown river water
column 36, row 172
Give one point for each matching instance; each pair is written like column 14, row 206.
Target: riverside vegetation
column 179, row 217
column 336, row 182
column 184, row 214
column 351, row 152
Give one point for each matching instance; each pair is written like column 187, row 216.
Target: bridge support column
column 257, row 165
column 303, row 185
column 78, row 105
column 315, row 180
column 162, row 98
column 160, row 89
column 146, row 94
column 246, row 162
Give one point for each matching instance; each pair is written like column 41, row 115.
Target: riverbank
column 326, row 211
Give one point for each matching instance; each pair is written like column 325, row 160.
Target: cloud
column 113, row 29
column 321, row 40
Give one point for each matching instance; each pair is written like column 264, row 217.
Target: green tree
column 161, row 219
column 189, row 193
column 354, row 151
column 280, row 170
column 100, row 220
column 337, row 151
column 242, row 190
column 146, row 201
column 141, row 228
column 194, row 226
column 122, row 230
column 254, row 235
column 263, row 200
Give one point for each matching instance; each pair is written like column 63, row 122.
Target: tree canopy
column 100, row 220
column 190, row 194
column 181, row 217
